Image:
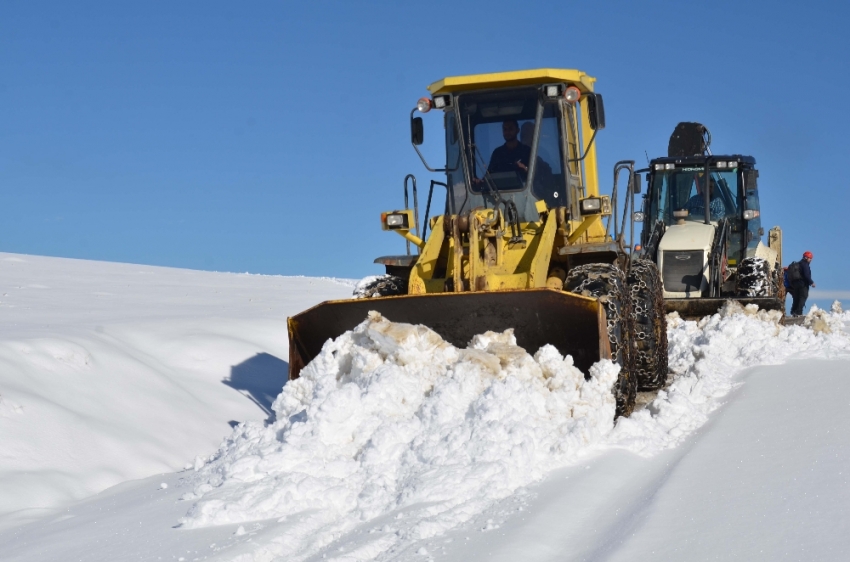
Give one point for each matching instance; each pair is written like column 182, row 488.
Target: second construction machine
column 702, row 226
column 523, row 238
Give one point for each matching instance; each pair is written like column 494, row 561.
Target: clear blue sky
column 268, row 136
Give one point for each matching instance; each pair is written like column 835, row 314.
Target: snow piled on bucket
column 393, row 428
column 390, row 416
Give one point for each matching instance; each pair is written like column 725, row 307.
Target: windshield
column 684, row 189
column 493, row 134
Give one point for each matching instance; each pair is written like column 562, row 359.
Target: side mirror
column 636, row 179
column 596, row 111
column 417, row 131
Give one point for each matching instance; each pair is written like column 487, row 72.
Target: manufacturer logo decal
column 683, row 257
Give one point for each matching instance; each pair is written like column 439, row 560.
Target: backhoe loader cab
column 702, row 226
column 523, row 239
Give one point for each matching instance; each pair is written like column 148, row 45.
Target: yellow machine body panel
column 452, row 84
column 491, row 260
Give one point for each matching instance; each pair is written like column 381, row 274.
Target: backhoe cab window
column 683, row 188
column 496, row 136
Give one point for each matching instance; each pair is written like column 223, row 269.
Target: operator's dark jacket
column 805, row 273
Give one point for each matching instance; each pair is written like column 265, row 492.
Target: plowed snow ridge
column 393, row 425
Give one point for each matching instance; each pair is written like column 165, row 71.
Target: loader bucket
column 698, row 307
column 574, row 324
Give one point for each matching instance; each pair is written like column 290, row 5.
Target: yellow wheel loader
column 523, row 238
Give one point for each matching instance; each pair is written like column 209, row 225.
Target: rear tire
column 754, row 279
column 382, row 286
column 607, row 283
column 650, row 325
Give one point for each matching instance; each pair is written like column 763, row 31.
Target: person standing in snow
column 800, row 286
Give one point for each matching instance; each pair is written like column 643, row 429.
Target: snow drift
column 390, row 420
column 391, row 417
column 111, row 372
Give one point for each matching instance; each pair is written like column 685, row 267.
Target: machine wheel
column 607, row 283
column 754, row 279
column 650, row 325
column 382, row 286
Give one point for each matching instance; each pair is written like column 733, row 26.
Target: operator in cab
column 696, row 204
column 513, row 156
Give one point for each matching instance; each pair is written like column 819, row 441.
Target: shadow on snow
column 260, row 378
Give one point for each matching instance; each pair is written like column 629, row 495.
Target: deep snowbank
column 111, row 372
column 390, row 419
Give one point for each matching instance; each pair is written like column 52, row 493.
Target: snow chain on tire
column 607, row 283
column 754, row 279
column 650, row 325
column 383, row 286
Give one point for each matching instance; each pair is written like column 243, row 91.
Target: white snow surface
column 111, row 372
column 389, row 417
column 393, row 444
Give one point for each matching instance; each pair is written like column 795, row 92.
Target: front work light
column 397, row 220
column 552, row 90
column 589, row 206
column 423, row 105
column 442, row 102
column 572, row 94
column 595, row 206
column 750, row 215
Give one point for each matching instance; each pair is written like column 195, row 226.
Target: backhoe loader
column 523, row 238
column 702, row 226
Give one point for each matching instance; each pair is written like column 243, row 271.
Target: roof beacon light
column 423, row 105
column 572, row 94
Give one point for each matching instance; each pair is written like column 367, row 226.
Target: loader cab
column 491, row 135
column 676, row 195
column 518, row 136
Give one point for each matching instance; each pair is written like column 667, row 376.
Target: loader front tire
column 607, row 283
column 650, row 324
column 381, row 286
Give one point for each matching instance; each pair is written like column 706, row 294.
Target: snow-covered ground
column 112, row 372
column 394, row 444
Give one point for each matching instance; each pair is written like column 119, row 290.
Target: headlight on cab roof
column 442, row 102
column 750, row 215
